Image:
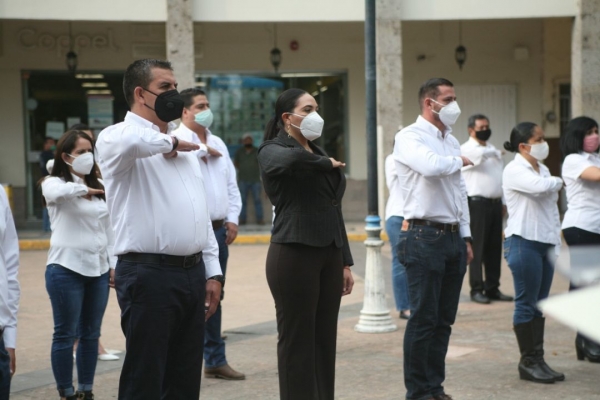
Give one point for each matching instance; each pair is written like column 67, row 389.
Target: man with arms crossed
column 168, row 278
column 435, row 237
column 484, row 187
column 224, row 204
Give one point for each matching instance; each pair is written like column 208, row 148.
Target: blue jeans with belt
column 78, row 305
column 435, row 262
column 214, row 346
column 392, row 227
column 532, row 267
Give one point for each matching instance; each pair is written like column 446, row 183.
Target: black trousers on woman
column 306, row 283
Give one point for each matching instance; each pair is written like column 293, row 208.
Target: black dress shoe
column 479, row 297
column 497, row 295
column 404, row 314
column 586, row 348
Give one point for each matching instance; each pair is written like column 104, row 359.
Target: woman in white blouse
column 80, row 261
column 532, row 232
column 581, row 225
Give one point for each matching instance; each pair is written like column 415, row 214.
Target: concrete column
column 180, row 41
column 389, row 69
column 585, row 60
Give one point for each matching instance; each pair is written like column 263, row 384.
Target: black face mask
column 248, row 145
column 483, row 135
column 168, row 105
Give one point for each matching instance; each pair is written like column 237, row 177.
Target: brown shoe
column 443, row 397
column 224, row 372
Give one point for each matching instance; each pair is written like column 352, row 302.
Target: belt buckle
column 454, row 228
column 189, row 261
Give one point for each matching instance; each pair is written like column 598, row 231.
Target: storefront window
column 54, row 101
column 244, row 103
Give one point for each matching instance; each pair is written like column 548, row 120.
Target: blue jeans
column 214, row 346
column 78, row 305
column 4, row 372
column 532, row 267
column 400, row 286
column 255, row 188
column 435, row 262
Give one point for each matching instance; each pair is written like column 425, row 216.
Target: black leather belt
column 162, row 259
column 218, row 224
column 438, row 225
column 480, row 198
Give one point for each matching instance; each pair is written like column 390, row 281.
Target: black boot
column 530, row 368
column 587, row 348
column 538, row 324
column 87, row 395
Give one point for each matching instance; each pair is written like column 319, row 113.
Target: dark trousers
column 306, row 283
column 4, row 371
column 214, row 345
column 486, row 229
column 576, row 237
column 435, row 263
column 162, row 317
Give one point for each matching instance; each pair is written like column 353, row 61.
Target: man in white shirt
column 9, row 295
column 224, row 205
column 168, row 278
column 484, row 187
column 435, row 238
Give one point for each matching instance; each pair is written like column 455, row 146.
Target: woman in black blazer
column 308, row 263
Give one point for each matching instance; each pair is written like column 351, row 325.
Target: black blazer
column 307, row 194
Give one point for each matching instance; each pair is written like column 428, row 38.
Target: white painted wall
column 281, row 10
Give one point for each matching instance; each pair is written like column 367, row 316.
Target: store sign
column 30, row 39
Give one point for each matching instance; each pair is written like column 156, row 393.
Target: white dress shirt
column 583, row 196
column 82, row 236
column 429, row 165
column 220, row 182
column 531, row 202
column 484, row 177
column 395, row 203
column 10, row 292
column 156, row 204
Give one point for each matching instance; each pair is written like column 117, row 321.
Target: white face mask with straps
column 539, row 151
column 83, row 163
column 449, row 113
column 311, row 126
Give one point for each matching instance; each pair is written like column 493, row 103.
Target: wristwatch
column 218, row 278
column 468, row 239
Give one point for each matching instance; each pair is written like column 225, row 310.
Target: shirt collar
column 135, row 119
column 432, row 129
column 77, row 179
column 523, row 161
column 187, row 134
column 475, row 142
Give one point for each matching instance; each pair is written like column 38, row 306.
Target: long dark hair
column 520, row 134
column 572, row 140
column 66, row 144
column 286, row 102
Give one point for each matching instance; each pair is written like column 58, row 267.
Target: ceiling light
column 90, row 92
column 94, row 84
column 89, row 76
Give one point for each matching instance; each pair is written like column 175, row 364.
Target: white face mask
column 83, row 163
column 539, row 151
column 311, row 125
column 449, row 113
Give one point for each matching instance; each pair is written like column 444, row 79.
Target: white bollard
column 375, row 315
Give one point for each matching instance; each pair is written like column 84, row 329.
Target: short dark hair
column 571, row 142
column 431, row 88
column 139, row 73
column 520, row 134
column 188, row 95
column 286, row 102
column 473, row 118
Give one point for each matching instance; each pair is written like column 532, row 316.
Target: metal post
column 374, row 316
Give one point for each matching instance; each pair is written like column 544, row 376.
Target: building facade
column 522, row 63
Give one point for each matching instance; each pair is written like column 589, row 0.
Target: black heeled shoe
column 586, row 348
column 87, row 395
